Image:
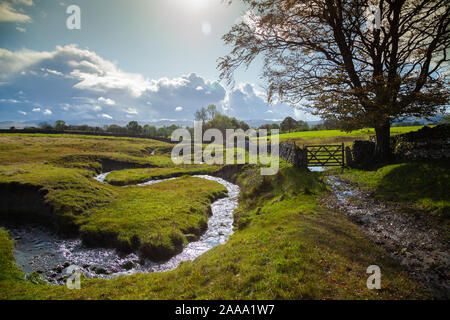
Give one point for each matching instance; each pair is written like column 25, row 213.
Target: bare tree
column 201, row 115
column 346, row 62
column 212, row 111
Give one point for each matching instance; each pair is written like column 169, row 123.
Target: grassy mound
column 286, row 246
column 154, row 219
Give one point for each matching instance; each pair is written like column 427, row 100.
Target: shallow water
column 316, row 169
column 40, row 250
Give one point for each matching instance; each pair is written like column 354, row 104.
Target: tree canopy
column 288, row 124
column 329, row 55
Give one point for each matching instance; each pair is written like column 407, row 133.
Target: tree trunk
column 382, row 144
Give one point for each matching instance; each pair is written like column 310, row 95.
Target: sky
column 144, row 60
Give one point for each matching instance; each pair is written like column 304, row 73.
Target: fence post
column 305, row 153
column 343, row 155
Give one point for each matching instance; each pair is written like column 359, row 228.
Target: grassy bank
column 134, row 176
column 286, row 246
column 156, row 220
column 423, row 186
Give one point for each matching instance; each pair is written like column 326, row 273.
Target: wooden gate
column 325, row 155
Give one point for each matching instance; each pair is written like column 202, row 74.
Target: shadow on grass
column 415, row 180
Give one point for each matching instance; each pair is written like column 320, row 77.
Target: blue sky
column 142, row 60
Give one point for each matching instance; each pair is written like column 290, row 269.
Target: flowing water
column 40, row 250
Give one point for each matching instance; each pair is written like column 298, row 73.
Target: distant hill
column 255, row 123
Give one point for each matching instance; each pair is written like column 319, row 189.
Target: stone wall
column 293, row 154
column 84, row 133
column 360, row 154
column 289, row 152
column 424, row 144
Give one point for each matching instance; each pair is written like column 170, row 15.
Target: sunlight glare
column 193, row 4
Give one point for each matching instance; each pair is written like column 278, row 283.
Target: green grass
column 134, row 176
column 38, row 148
column 286, row 246
column 69, row 191
column 8, row 269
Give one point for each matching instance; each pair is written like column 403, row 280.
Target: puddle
column 317, row 169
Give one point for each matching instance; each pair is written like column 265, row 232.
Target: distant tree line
column 132, row 128
column 211, row 118
column 289, row 124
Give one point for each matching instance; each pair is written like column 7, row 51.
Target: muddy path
column 407, row 238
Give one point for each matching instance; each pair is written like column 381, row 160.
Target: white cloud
column 107, row 101
column 23, row 2
column 54, row 72
column 9, row 14
column 22, row 112
column 21, row 29
column 9, row 100
column 65, row 106
column 48, row 112
column 87, row 84
column 85, row 67
column 12, row 63
column 131, row 111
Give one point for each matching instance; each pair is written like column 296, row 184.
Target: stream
column 40, row 250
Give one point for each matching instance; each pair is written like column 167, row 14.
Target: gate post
column 305, row 154
column 343, row 155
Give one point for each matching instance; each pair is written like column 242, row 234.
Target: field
column 286, row 244
column 337, row 136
